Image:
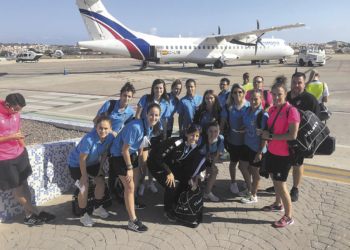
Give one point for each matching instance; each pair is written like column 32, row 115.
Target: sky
column 59, row 22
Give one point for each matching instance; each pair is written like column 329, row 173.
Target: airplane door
column 155, row 52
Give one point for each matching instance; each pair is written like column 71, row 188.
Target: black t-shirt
column 305, row 101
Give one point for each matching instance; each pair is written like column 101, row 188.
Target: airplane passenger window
column 180, row 47
column 194, row 47
column 171, row 47
column 241, row 47
column 185, row 47
column 189, row 47
column 208, row 47
column 233, row 47
column 199, row 47
column 175, row 47
column 229, row 47
column 166, row 47
column 222, row 47
column 212, row 47
column 225, row 47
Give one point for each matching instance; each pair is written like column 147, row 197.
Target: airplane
column 58, row 53
column 29, row 56
column 109, row 35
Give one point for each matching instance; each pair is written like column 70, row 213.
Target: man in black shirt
column 303, row 100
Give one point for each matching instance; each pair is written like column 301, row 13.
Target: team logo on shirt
column 124, row 116
column 14, row 118
column 164, row 154
column 298, row 102
column 281, row 114
column 252, row 123
column 278, row 174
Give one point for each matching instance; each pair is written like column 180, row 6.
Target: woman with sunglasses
column 170, row 161
column 159, row 96
column 83, row 162
column 125, row 160
column 233, row 113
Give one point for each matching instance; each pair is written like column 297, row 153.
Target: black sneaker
column 137, row 226
column 270, row 189
column 33, row 220
column 170, row 215
column 46, row 216
column 139, row 205
column 294, row 194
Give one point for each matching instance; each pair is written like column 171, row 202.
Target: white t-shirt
column 325, row 90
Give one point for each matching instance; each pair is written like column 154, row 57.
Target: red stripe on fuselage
column 134, row 52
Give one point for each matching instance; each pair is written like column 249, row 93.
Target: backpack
column 189, row 208
column 111, row 106
column 311, row 133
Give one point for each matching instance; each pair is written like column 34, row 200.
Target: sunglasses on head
column 194, row 125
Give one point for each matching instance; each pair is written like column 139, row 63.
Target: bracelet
column 129, row 165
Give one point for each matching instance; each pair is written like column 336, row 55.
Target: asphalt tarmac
column 90, row 82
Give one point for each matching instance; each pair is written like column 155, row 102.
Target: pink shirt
column 281, row 127
column 9, row 125
column 269, row 97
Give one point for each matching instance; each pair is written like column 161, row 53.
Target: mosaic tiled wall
column 50, row 176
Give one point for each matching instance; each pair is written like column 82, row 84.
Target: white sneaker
column 141, row 190
column 86, row 220
column 234, row 188
column 152, row 187
column 100, row 212
column 210, row 196
column 243, row 193
column 225, row 156
column 249, row 199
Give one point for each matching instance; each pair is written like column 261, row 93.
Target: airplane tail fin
column 100, row 24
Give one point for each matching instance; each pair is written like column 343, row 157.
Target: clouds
column 153, row 31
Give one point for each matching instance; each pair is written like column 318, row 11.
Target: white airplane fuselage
column 109, row 35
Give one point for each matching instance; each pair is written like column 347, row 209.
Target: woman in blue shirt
column 125, row 160
column 158, row 95
column 233, row 113
column 209, row 109
column 254, row 147
column 176, row 88
column 84, row 162
column 210, row 146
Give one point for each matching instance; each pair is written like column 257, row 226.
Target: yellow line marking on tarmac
column 326, row 170
column 325, row 177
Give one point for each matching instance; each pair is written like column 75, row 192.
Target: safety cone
column 212, row 67
column 296, row 60
column 259, row 64
column 296, row 70
column 65, row 72
column 183, row 65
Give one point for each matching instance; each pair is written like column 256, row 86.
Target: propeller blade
column 241, row 43
column 257, row 24
column 219, row 30
column 256, row 48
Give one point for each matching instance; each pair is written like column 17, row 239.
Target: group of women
column 240, row 127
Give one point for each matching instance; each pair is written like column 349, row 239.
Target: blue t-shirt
column 236, row 122
column 206, row 117
column 164, row 105
column 90, row 145
column 212, row 148
column 187, row 107
column 222, row 97
column 172, row 109
column 251, row 139
column 118, row 118
column 132, row 134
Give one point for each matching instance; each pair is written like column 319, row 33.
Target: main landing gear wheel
column 144, row 65
column 200, row 65
column 218, row 64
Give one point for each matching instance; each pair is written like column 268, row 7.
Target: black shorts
column 169, row 133
column 93, row 170
column 119, row 165
column 235, row 152
column 278, row 165
column 15, row 171
column 298, row 160
column 248, row 155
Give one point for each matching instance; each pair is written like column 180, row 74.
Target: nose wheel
column 218, row 64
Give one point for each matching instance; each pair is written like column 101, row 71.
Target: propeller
column 258, row 39
column 219, row 30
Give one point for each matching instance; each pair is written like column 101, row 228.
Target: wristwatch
column 270, row 137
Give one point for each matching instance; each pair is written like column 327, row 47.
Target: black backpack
column 189, row 209
column 311, row 133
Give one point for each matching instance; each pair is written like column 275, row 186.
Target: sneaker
column 86, row 220
column 100, row 212
column 249, row 199
column 273, row 208
column 141, row 190
column 270, row 189
column 284, row 221
column 170, row 216
column 46, row 216
column 210, row 196
column 33, row 220
column 234, row 188
column 243, row 193
column 139, row 205
column 137, row 226
column 225, row 156
column 294, row 194
column 152, row 187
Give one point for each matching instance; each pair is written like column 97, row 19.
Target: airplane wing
column 257, row 32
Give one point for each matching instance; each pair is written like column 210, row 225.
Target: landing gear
column 200, row 65
column 282, row 61
column 218, row 64
column 254, row 62
column 301, row 62
column 144, row 65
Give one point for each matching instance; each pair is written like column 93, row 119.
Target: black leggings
column 172, row 194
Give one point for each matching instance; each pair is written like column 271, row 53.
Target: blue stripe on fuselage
column 141, row 44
